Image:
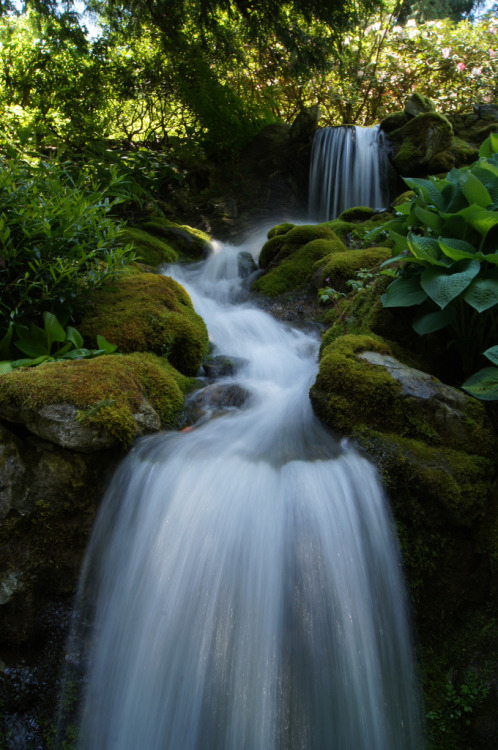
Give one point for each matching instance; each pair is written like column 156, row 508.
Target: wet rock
column 246, row 264
column 221, row 366
column 418, row 105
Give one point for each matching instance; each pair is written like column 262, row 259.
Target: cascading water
column 242, row 579
column 347, row 169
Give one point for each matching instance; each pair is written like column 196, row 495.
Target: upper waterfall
column 347, row 169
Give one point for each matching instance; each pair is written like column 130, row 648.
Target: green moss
column 107, row 390
column 357, row 214
column 394, row 121
column 280, row 229
column 150, row 249
column 270, row 250
column 188, row 241
column 148, row 312
column 294, row 271
column 349, row 393
column 340, row 267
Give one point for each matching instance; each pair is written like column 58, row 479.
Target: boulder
column 417, row 146
column 417, row 104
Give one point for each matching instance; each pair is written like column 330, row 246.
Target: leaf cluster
column 445, row 239
column 57, row 238
column 47, row 344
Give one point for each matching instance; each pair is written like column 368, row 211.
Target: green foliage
column 57, row 239
column 446, row 238
column 47, row 344
column 460, row 700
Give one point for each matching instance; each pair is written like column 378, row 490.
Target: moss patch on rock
column 150, row 249
column 108, row 390
column 148, row 312
column 284, row 243
column 188, row 241
column 342, row 266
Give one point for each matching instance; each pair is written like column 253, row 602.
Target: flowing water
column 348, row 166
column 243, row 580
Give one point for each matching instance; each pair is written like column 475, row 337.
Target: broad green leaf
column 489, row 257
column 482, row 294
column 32, row 362
column 429, row 219
column 427, row 249
column 479, row 218
column 404, row 208
column 32, row 348
column 400, row 240
column 432, row 322
column 458, row 249
column 60, row 353
column 102, row 343
column 5, row 367
column 488, row 175
column 489, row 146
column 442, row 286
column 404, row 292
column 74, row 336
column 483, row 384
column 428, row 189
column 475, row 192
column 492, row 354
column 54, row 330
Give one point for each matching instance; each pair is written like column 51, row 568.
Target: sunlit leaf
column 492, row 354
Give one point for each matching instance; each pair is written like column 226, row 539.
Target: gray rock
column 246, row 264
column 58, row 424
column 418, row 104
column 423, row 392
column 221, row 366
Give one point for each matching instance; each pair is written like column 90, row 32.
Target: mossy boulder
column 148, row 312
column 417, row 104
column 436, row 452
column 149, row 248
column 417, row 146
column 187, row 241
column 281, row 243
column 336, row 269
column 394, row 121
column 111, row 397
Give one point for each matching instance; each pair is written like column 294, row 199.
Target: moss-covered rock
column 417, row 144
column 148, row 312
column 336, row 269
column 295, row 270
column 417, row 104
column 149, row 248
column 282, row 244
column 188, row 241
column 107, row 391
column 394, row 121
column 280, row 229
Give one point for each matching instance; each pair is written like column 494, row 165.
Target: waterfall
column 347, row 169
column 242, row 587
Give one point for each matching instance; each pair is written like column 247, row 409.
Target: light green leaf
column 432, row 322
column 458, row 249
column 404, row 292
column 102, row 343
column 428, row 189
column 5, row 367
column 429, row 219
column 54, row 330
column 474, row 190
column 489, row 146
column 482, row 294
column 483, row 384
column 443, row 286
column 74, row 336
column 427, row 249
column 492, row 354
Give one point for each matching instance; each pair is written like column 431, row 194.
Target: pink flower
column 491, row 52
column 460, row 66
column 476, row 72
column 446, row 51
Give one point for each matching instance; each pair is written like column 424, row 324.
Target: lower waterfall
column 347, row 169
column 242, row 588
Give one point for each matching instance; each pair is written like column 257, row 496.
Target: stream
column 242, row 589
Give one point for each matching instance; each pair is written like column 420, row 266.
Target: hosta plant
column 446, row 238
column 46, row 344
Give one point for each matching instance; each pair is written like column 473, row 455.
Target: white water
column 347, row 169
column 248, row 591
